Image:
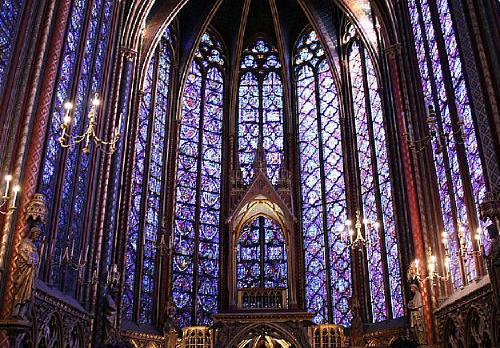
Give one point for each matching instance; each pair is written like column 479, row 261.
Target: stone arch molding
column 291, row 334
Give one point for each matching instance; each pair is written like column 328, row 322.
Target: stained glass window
column 195, row 266
column 260, row 109
column 327, row 255
column 262, row 256
column 458, row 168
column 10, row 17
column 376, row 188
column 66, row 173
column 148, row 182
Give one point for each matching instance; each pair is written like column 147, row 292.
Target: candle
column 8, row 179
column 478, row 235
column 72, row 248
column 16, row 190
column 447, row 264
column 351, row 235
column 120, row 122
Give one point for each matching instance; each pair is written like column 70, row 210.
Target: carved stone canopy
column 36, row 209
column 261, row 199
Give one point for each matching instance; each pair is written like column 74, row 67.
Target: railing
column 327, row 336
column 259, row 298
column 197, row 337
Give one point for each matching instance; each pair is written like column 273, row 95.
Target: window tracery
column 324, row 205
column 375, row 182
column 148, row 194
column 197, row 205
column 455, row 149
column 260, row 109
column 66, row 174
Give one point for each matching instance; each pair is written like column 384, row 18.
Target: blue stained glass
column 323, row 187
column 198, row 182
column 148, row 181
column 10, row 17
column 385, row 188
column 452, row 192
column 260, row 109
column 262, row 256
column 368, row 185
column 133, row 243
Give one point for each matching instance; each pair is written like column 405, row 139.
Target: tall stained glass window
column 260, row 109
column 66, row 174
column 456, row 154
column 327, row 255
column 384, row 273
column 195, row 266
column 148, row 184
column 10, row 17
column 262, row 256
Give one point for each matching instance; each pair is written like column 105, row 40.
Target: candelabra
column 356, row 239
column 66, row 140
column 66, row 259
column 435, row 134
column 462, row 246
column 9, row 197
column 432, row 273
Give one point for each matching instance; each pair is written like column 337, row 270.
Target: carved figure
column 356, row 322
column 417, row 314
column 494, row 262
column 110, row 307
column 27, row 268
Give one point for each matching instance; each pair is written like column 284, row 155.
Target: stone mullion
column 32, row 161
column 122, row 230
column 12, row 85
column 359, row 269
column 380, row 211
column 324, row 208
column 175, row 92
column 101, row 168
column 455, row 119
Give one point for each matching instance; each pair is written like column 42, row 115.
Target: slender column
column 395, row 60
column 36, row 141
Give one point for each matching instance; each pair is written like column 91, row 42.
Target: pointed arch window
column 459, row 171
column 260, row 109
column 384, row 273
column 66, row 174
column 324, row 205
column 197, row 207
column 149, row 170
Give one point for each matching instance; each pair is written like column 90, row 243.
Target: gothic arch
column 278, row 329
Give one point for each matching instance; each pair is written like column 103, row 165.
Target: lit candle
column 351, row 235
column 96, row 101
column 72, row 248
column 377, row 225
column 348, row 222
column 8, row 179
column 447, row 264
column 432, row 265
column 16, row 190
column 416, row 263
column 478, row 235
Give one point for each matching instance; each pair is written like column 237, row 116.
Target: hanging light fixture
column 66, row 140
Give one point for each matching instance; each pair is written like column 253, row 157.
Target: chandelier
column 356, row 239
column 66, row 140
column 9, row 197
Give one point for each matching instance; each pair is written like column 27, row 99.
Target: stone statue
column 417, row 314
column 356, row 322
column 493, row 260
column 27, row 269
column 170, row 329
column 110, row 307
